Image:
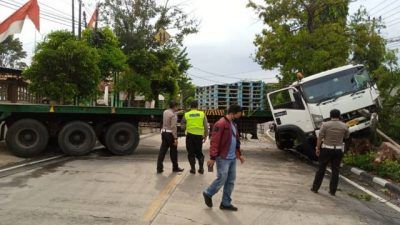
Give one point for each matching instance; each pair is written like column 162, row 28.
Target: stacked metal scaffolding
column 248, row 94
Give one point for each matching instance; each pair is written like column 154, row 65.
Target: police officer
column 196, row 125
column 169, row 139
column 330, row 148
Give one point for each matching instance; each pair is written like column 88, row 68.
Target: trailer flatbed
column 28, row 128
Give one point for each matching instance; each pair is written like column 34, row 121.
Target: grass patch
column 363, row 161
column 359, row 196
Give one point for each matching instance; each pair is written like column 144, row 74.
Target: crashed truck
column 300, row 109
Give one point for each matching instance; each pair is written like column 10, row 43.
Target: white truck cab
column 300, row 109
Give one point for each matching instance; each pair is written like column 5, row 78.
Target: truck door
column 288, row 108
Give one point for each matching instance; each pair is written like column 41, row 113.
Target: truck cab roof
column 325, row 73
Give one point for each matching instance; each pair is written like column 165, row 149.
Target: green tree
column 367, row 44
column 135, row 24
column 11, row 53
column 368, row 47
column 64, row 68
column 302, row 35
column 187, row 91
column 388, row 76
column 112, row 58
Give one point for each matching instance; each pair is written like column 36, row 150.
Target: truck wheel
column 282, row 143
column 122, row 138
column 278, row 142
column 77, row 138
column 27, row 138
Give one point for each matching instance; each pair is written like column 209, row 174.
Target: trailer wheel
column 77, row 138
column 27, row 138
column 122, row 138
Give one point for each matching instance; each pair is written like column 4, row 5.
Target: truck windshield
column 335, row 85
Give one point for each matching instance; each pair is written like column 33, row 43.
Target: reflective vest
column 195, row 122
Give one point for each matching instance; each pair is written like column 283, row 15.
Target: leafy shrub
column 389, row 169
column 362, row 161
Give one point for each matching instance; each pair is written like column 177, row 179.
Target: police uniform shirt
column 333, row 132
column 170, row 121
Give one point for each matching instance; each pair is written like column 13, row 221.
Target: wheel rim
column 122, row 138
column 77, row 138
column 27, row 137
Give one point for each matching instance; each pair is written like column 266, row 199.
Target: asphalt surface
column 272, row 187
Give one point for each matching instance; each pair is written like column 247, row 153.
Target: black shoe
column 208, row 200
column 316, row 192
column 176, row 170
column 332, row 193
column 192, row 171
column 201, row 171
column 231, row 208
column 160, row 171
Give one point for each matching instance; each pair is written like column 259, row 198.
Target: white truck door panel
column 288, row 108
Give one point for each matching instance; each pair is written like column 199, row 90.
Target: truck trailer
column 28, row 128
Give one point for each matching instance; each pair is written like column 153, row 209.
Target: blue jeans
column 226, row 175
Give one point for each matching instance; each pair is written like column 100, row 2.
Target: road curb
column 373, row 179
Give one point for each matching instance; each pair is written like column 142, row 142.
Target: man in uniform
column 169, row 137
column 224, row 150
column 196, row 125
column 330, row 148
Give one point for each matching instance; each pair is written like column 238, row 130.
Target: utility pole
column 73, row 17
column 80, row 19
column 84, row 20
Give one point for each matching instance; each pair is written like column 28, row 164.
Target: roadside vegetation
column 389, row 169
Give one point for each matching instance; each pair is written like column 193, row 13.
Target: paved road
column 272, row 188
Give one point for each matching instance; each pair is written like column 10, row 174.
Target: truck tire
column 278, row 142
column 27, row 138
column 122, row 138
column 77, row 138
column 282, row 143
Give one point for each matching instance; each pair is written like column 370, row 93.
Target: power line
column 376, row 13
column 47, row 6
column 43, row 17
column 393, row 14
column 377, row 5
column 205, row 79
column 393, row 20
column 231, row 75
column 43, row 12
column 398, row 22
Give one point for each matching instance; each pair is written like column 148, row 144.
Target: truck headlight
column 318, row 119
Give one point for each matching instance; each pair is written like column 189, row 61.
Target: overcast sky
column 222, row 50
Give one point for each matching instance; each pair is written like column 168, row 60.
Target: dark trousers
column 167, row 143
column 334, row 156
column 194, row 145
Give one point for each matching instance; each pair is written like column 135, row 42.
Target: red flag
column 14, row 23
column 93, row 19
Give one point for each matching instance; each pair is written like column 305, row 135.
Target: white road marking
column 30, row 163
